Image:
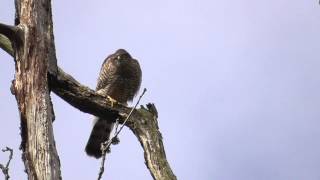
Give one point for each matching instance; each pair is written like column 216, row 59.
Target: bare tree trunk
column 33, row 44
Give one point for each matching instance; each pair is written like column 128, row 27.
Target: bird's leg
column 113, row 101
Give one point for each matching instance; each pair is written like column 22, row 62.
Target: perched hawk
column 119, row 79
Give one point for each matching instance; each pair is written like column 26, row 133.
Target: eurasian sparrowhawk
column 119, row 80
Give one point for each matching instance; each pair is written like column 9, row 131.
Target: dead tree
column 31, row 43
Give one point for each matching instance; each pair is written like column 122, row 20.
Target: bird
column 119, row 80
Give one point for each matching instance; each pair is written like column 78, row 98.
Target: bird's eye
column 118, row 57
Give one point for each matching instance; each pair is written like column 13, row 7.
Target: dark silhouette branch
column 5, row 168
column 10, row 36
column 8, row 31
column 6, row 44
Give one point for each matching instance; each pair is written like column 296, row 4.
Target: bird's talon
column 113, row 101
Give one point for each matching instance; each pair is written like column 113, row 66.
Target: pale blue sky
column 236, row 84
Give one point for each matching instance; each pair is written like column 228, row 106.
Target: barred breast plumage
column 120, row 79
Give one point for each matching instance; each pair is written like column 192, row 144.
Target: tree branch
column 150, row 138
column 81, row 97
column 6, row 45
column 143, row 122
column 5, row 169
column 9, row 31
column 10, row 36
column 105, row 146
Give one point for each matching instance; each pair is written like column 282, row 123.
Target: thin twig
column 105, row 145
column 129, row 115
column 5, row 169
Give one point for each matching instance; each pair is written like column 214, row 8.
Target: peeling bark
column 31, row 43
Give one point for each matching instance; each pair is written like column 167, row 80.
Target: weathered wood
column 81, row 97
column 143, row 122
column 146, row 129
column 33, row 45
column 35, row 66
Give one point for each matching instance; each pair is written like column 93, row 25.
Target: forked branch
column 143, row 122
column 5, row 168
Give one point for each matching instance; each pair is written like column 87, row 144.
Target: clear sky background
column 236, row 84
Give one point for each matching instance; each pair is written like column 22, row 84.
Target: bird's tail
column 99, row 134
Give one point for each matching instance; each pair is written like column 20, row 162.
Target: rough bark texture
column 31, row 43
column 143, row 122
column 146, row 129
column 34, row 51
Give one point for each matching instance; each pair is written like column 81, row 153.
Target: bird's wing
column 105, row 77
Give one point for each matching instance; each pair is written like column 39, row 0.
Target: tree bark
column 31, row 43
column 143, row 122
column 146, row 129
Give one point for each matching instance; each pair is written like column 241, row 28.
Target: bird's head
column 122, row 54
